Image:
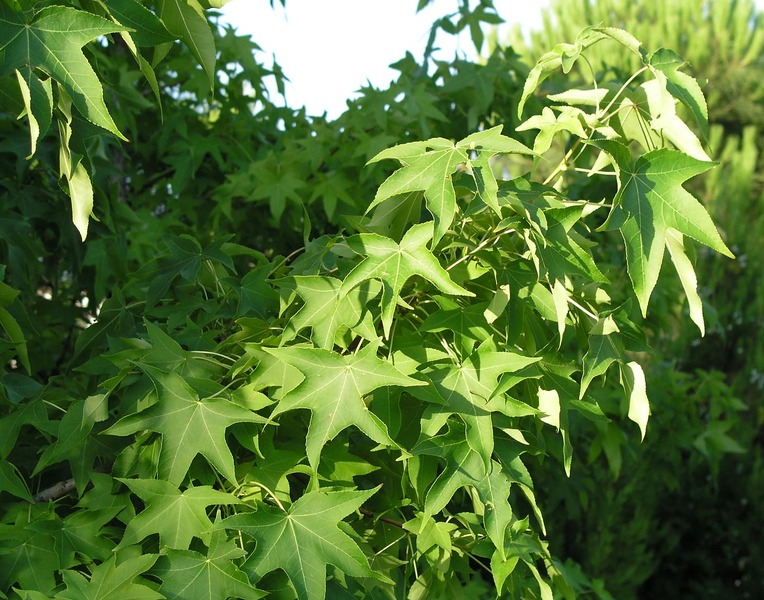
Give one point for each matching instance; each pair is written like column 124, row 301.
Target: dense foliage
column 296, row 357
column 693, row 487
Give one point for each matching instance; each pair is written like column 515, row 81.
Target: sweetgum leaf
column 394, row 264
column 649, row 201
column 428, row 168
column 467, row 390
column 176, row 516
column 326, row 310
column 110, row 580
column 681, row 85
column 189, row 575
column 334, row 390
column 303, row 540
column 52, row 42
column 189, row 426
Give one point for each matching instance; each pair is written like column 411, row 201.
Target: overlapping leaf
column 176, row 516
column 189, row 426
column 428, row 168
column 326, row 310
column 52, row 42
column 303, row 540
column 190, row 575
column 467, row 389
column 334, row 389
column 394, row 264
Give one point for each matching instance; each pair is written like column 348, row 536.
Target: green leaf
column 664, row 120
column 189, row 426
column 639, row 405
column 326, row 310
column 81, row 195
column 148, row 29
column 304, row 539
column 429, row 166
column 334, row 389
column 38, row 103
column 604, row 349
column 110, row 581
column 686, row 272
column 52, row 42
column 549, row 124
column 563, row 55
column 185, row 19
column 494, row 491
column 393, row 264
column 16, row 337
column 650, row 200
column 189, row 575
column 11, row 481
column 28, row 557
column 681, row 85
column 463, row 466
column 176, row 516
column 467, row 389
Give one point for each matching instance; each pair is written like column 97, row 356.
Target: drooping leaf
column 639, row 405
column 681, row 85
column 189, row 426
column 52, row 41
column 393, row 264
column 686, row 272
column 650, row 200
column 463, row 466
column 176, row 516
column 185, row 19
column 334, row 389
column 664, row 120
column 303, row 540
column 604, row 349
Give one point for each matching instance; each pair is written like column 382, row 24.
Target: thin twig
column 387, row 520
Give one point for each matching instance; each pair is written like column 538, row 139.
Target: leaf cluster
column 358, row 415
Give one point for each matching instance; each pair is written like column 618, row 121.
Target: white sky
column 330, row 48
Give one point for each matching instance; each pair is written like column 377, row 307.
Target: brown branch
column 62, row 488
column 387, row 520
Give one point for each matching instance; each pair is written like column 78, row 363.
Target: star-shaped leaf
column 110, row 580
column 427, row 167
column 394, row 264
column 189, row 426
column 651, row 200
column 176, row 516
column 569, row 119
column 334, row 390
column 52, row 42
column 303, row 540
column 467, row 390
column 326, row 310
column 189, row 575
